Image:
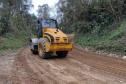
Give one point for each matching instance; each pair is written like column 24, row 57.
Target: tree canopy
column 90, row 16
column 15, row 17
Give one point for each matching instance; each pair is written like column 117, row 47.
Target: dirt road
column 80, row 67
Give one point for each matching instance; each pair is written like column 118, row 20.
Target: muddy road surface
column 80, row 67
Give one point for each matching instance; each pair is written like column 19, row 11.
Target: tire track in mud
column 83, row 71
column 22, row 73
column 110, row 65
column 53, row 71
column 41, row 70
column 80, row 67
column 56, row 73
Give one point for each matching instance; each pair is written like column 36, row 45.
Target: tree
column 43, row 11
column 96, row 14
column 14, row 16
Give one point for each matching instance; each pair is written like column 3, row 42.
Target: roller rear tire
column 62, row 54
column 44, row 55
column 34, row 52
column 42, row 49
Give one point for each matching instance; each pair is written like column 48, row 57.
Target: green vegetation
column 16, row 24
column 12, row 43
column 97, row 23
column 112, row 41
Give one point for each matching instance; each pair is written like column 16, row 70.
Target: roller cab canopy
column 48, row 23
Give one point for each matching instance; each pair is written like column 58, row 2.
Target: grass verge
column 12, row 42
column 108, row 42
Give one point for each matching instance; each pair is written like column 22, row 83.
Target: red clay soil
column 80, row 67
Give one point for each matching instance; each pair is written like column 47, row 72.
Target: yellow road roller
column 50, row 40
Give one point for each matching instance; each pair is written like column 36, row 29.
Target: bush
column 82, row 27
column 4, row 24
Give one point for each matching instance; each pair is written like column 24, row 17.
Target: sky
column 51, row 4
